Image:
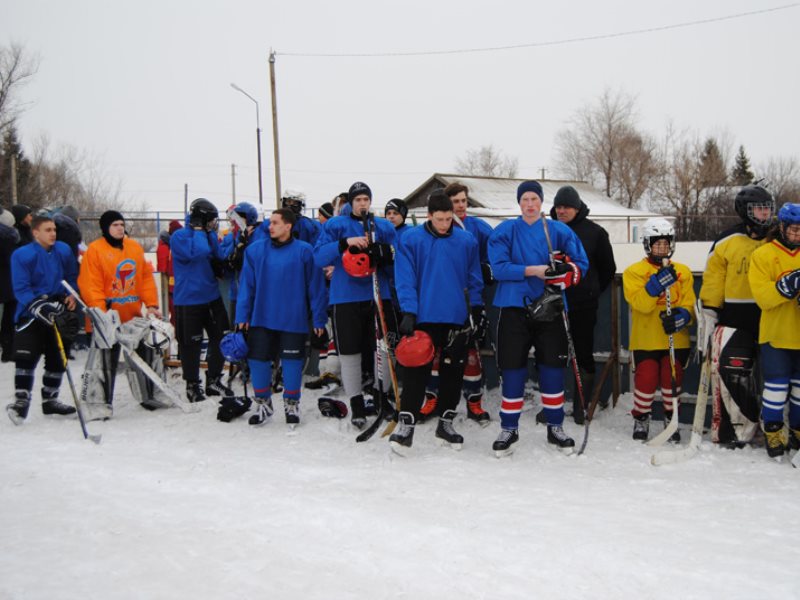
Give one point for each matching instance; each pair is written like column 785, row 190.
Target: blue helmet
column 248, row 212
column 789, row 214
column 234, row 347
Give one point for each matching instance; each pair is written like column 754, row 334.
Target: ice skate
column 445, row 434
column 641, row 427
column 504, row 444
column 428, row 406
column 18, row 411
column 775, row 440
column 475, row 410
column 291, row 409
column 54, row 407
column 402, row 438
column 264, row 411
column 559, row 438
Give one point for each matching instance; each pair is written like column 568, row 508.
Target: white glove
column 706, row 324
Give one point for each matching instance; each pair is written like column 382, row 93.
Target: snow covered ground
column 171, row 505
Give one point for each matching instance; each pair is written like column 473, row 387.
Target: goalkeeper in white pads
column 116, row 282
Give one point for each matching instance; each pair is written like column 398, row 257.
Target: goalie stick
column 137, row 360
column 570, row 345
column 665, row 457
column 672, row 426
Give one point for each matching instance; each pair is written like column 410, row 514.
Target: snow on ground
column 174, row 505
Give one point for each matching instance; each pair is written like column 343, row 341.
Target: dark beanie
column 567, row 196
column 358, row 188
column 326, row 210
column 20, row 211
column 530, row 186
column 174, row 225
column 107, row 218
column 398, row 205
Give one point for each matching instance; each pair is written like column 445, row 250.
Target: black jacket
column 602, row 267
column 9, row 237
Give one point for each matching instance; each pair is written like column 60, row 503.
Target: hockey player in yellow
column 645, row 286
column 775, row 280
column 729, row 319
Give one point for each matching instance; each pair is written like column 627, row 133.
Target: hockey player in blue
column 244, row 230
column 396, row 212
column 197, row 263
column 278, row 283
column 305, row 229
column 344, row 245
column 435, row 265
column 37, row 270
column 530, row 306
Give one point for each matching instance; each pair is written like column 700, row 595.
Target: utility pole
column 233, row 182
column 544, row 171
column 275, row 149
column 185, row 198
column 13, row 179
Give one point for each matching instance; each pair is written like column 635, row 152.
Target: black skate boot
column 504, row 444
column 326, row 380
column 675, row 438
column 402, row 438
column 215, row 387
column 370, row 408
column 291, row 409
column 264, row 411
column 475, row 410
column 428, row 407
column 559, row 438
column 641, row 427
column 540, row 418
column 194, row 391
column 775, row 440
column 18, row 411
column 445, row 434
column 794, row 439
column 54, row 407
column 358, row 418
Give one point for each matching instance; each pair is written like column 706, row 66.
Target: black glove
column 382, row 255
column 236, row 258
column 486, row 271
column 319, row 342
column 673, row 323
column 45, row 310
column 218, row 267
column 408, row 323
column 479, row 324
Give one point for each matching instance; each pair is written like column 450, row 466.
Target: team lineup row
column 365, row 288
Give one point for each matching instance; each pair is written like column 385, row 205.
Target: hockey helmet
column 357, row 264
column 789, row 214
column 234, row 347
column 415, row 350
column 248, row 212
column 159, row 335
column 747, row 200
column 202, row 212
column 294, row 199
column 658, row 229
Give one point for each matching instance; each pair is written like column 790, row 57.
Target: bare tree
column 781, row 176
column 635, row 166
column 16, row 69
column 487, row 162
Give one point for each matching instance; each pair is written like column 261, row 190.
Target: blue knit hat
column 530, row 186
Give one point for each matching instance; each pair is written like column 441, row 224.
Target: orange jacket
column 118, row 278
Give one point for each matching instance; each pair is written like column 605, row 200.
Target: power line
column 590, row 38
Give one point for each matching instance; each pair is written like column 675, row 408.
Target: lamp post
column 258, row 141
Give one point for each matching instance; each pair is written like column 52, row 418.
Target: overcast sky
column 145, row 86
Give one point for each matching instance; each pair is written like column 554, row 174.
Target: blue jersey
column 192, row 253
column 37, row 272
column 305, row 229
column 515, row 245
column 432, row 272
column 481, row 230
column 344, row 287
column 279, row 285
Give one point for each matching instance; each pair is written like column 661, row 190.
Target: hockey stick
column 171, row 394
column 570, row 345
column 86, row 435
column 382, row 345
column 672, row 426
column 666, row 457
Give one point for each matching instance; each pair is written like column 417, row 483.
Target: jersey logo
column 125, row 278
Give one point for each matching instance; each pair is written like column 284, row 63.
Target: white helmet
column 294, row 199
column 655, row 229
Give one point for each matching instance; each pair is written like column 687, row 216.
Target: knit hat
column 107, row 218
column 71, row 212
column 6, row 218
column 398, row 205
column 530, row 186
column 567, row 196
column 358, row 188
column 174, row 226
column 20, row 211
column 326, row 210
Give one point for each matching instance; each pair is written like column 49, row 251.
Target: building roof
column 496, row 197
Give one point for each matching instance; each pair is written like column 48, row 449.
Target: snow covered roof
column 496, row 197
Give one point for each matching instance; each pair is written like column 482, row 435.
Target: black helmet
column 202, row 212
column 749, row 198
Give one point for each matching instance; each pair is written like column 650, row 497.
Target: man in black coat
column 9, row 239
column 582, row 299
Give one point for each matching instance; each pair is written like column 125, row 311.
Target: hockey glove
column 382, row 255
column 563, row 274
column 319, row 342
column 707, row 318
column 408, row 324
column 788, row 286
column 660, row 281
column 479, row 325
column 679, row 319
column 45, row 310
column 486, row 271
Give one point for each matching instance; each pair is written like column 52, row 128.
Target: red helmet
column 357, row 265
column 415, row 350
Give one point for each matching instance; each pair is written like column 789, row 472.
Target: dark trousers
column 7, row 330
column 191, row 322
column 581, row 326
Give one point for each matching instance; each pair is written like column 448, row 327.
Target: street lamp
column 258, row 141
